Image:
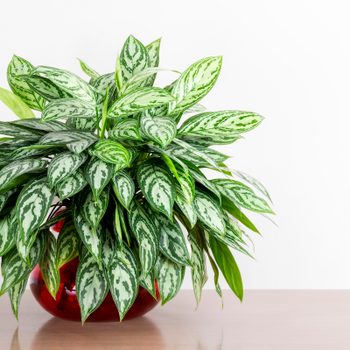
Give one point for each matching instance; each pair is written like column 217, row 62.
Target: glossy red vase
column 66, row 304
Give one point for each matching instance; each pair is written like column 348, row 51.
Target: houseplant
column 114, row 161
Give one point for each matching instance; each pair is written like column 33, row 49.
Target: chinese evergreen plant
column 109, row 158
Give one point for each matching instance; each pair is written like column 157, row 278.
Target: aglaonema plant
column 121, row 162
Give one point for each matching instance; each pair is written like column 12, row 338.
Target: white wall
column 288, row 60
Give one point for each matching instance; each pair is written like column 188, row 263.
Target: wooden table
column 267, row 320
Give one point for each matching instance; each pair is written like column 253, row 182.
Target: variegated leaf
column 133, row 58
column 91, row 238
column 37, row 124
column 32, row 207
column 111, row 152
column 122, row 276
column 209, row 212
column 98, row 173
column 169, row 276
column 15, row 70
column 88, row 70
column 126, row 129
column 186, row 182
column 68, row 108
column 67, row 244
column 242, row 195
column 84, row 124
column 172, row 241
column 63, row 165
column 153, row 54
column 211, row 140
column 94, row 210
column 32, row 151
column 148, row 283
column 108, row 248
column 124, row 188
column 103, row 82
column 194, row 83
column 71, row 185
column 198, row 269
column 187, row 209
column 161, row 130
column 91, row 286
column 7, row 234
column 31, row 251
column 220, row 124
column 146, row 236
column 48, row 266
column 157, row 187
column 11, row 129
column 67, row 81
column 15, row 103
column 4, row 199
column 15, row 293
column 139, row 100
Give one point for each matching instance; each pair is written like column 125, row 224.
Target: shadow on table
column 61, row 334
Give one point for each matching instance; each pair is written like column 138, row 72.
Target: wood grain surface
column 266, row 320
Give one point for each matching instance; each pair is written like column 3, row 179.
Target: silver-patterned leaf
column 94, row 210
column 157, row 187
column 15, row 70
column 67, row 244
column 68, row 108
column 161, row 130
column 133, row 58
column 111, row 152
column 108, row 248
column 242, row 195
column 220, row 124
column 146, row 236
column 98, row 173
column 48, row 266
column 187, row 209
column 198, row 269
column 71, row 185
column 122, row 276
column 124, row 188
column 7, row 234
column 91, row 238
column 126, row 129
column 32, row 207
column 209, row 212
column 103, row 82
column 148, row 283
column 4, row 199
column 169, row 276
column 67, row 82
column 84, row 124
column 139, row 100
column 63, row 165
column 153, row 55
column 91, row 286
column 15, row 293
column 11, row 129
column 37, row 124
column 194, row 83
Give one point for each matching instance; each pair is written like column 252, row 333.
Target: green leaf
column 153, row 54
column 7, row 234
column 37, row 124
column 209, row 212
column 103, row 82
column 15, row 293
column 148, row 283
column 228, row 266
column 146, row 236
column 139, row 100
column 172, row 241
column 67, row 244
column 4, row 198
column 157, row 187
column 15, row 103
column 122, row 276
column 133, row 58
column 94, row 210
column 90, row 237
column 71, row 185
column 15, row 70
column 91, row 286
column 48, row 266
column 220, row 124
column 187, row 209
column 63, row 165
column 161, row 130
column 88, row 70
column 32, row 207
column 67, row 82
column 211, row 140
column 85, row 124
column 126, row 129
column 198, row 269
column 98, row 173
column 194, row 83
column 68, row 108
column 169, row 276
column 112, row 152
column 108, row 248
column 124, row 188
column 242, row 195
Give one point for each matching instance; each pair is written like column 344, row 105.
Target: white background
column 288, row 60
